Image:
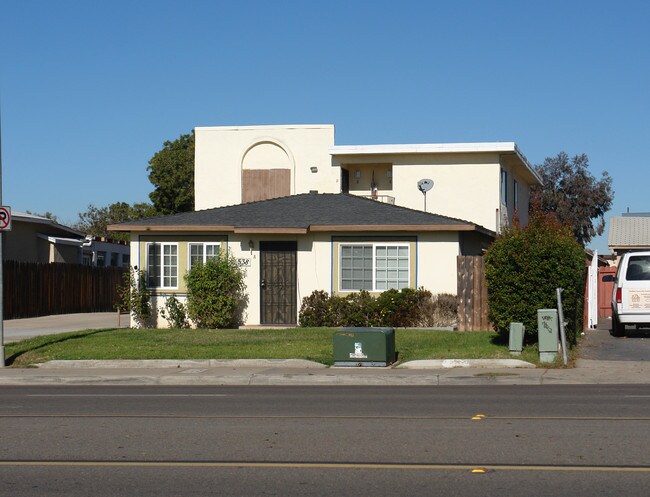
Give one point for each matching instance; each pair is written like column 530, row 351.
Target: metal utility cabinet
column 364, row 347
column 548, row 334
column 516, row 342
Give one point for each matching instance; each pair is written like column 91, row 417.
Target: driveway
column 20, row 329
column 600, row 345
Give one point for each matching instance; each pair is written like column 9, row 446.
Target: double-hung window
column 203, row 252
column 162, row 265
column 374, row 266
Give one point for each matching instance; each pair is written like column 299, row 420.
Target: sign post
column 7, row 222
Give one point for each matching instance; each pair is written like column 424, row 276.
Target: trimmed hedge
column 405, row 308
column 524, row 267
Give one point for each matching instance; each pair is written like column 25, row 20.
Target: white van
column 631, row 295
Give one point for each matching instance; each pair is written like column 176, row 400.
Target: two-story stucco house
column 303, row 214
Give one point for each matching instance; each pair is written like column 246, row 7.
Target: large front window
column 374, row 267
column 162, row 265
column 203, row 252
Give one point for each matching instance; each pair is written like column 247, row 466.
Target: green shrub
column 524, row 267
column 175, row 312
column 314, row 309
column 134, row 297
column 216, row 293
column 406, row 308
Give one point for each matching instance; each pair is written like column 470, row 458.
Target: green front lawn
column 313, row 344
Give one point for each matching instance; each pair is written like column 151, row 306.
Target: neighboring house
column 103, row 252
column 39, row 239
column 35, row 238
column 629, row 232
column 293, row 245
column 302, row 214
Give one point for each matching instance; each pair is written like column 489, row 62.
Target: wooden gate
column 605, row 289
column 472, row 294
column 278, row 284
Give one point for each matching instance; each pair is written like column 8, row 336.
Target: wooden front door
column 278, row 284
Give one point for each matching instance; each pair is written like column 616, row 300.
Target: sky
column 90, row 90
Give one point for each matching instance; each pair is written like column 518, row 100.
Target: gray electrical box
column 364, row 347
column 516, row 343
column 548, row 334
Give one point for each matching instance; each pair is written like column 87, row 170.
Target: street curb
column 465, row 363
column 183, row 363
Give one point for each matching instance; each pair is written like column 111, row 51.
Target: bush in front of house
column 216, row 293
column 175, row 313
column 134, row 297
column 406, row 308
column 524, row 267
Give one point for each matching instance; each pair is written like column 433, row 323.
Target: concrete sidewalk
column 289, row 372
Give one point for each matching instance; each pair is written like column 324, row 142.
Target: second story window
column 515, row 195
column 504, row 187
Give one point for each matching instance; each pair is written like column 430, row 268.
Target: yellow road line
column 480, row 417
column 316, row 465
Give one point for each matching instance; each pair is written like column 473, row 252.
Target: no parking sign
column 5, row 218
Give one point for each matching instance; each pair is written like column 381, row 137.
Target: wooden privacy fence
column 32, row 289
column 472, row 294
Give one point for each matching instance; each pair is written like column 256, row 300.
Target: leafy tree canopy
column 571, row 192
column 95, row 220
column 171, row 171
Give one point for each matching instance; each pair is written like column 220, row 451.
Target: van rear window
column 638, row 268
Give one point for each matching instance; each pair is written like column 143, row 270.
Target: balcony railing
column 386, row 199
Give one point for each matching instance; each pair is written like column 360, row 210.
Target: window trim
column 375, row 245
column 160, row 265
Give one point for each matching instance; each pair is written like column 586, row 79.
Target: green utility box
column 364, row 347
column 516, row 343
column 548, row 333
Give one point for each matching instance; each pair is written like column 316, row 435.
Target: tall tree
column 171, row 171
column 575, row 196
column 95, row 219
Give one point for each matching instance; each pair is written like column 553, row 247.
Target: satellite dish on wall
column 424, row 185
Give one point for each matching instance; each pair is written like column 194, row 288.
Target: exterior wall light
column 314, row 169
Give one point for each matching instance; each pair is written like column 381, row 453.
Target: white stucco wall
column 433, row 260
column 222, row 152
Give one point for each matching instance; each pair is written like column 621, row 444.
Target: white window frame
column 375, row 246
column 204, row 256
column 165, row 281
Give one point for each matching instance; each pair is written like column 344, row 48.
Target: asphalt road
column 502, row 440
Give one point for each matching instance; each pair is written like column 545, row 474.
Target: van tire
column 618, row 328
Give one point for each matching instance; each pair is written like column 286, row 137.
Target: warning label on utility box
column 358, row 352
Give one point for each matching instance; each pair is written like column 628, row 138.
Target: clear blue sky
column 90, row 90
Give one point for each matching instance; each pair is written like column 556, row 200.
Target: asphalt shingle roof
column 302, row 212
